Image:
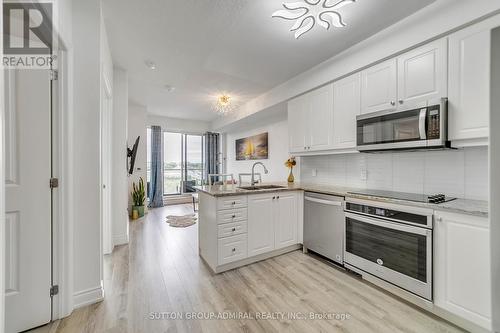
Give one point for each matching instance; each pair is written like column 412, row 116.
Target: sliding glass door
column 182, row 162
column 193, row 157
column 172, row 163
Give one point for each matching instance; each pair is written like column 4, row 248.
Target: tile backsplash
column 461, row 173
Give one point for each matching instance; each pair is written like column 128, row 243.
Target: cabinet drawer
column 231, row 229
column 232, row 202
column 232, row 249
column 231, row 215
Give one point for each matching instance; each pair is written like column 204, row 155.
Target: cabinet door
column 346, row 106
column 422, row 74
column 260, row 223
column 320, row 118
column 286, row 219
column 297, row 123
column 469, row 81
column 462, row 266
column 379, row 86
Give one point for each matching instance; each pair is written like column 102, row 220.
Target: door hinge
column 54, row 75
column 54, row 290
column 54, row 182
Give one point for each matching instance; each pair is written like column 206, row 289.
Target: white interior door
column 28, row 199
column 106, row 114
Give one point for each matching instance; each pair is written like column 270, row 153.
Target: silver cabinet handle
column 274, row 198
column 234, row 229
column 393, row 103
column 401, row 101
column 234, row 250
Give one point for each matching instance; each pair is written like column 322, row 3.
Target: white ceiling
column 204, row 47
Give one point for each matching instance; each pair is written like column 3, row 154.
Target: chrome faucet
column 252, row 181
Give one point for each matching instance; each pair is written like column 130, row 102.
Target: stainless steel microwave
column 421, row 128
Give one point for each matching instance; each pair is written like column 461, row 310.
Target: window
column 183, row 165
column 172, row 162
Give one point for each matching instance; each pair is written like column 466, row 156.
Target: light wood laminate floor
column 160, row 272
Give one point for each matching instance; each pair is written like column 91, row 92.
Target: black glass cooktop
column 431, row 198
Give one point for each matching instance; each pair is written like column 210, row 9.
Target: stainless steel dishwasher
column 324, row 224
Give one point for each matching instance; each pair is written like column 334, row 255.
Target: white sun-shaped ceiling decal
column 308, row 13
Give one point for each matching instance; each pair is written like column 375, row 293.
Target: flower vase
column 291, row 178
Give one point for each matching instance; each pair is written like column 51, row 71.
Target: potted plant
column 290, row 163
column 138, row 197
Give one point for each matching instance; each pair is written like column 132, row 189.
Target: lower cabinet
column 462, row 279
column 260, row 223
column 285, row 220
column 272, row 221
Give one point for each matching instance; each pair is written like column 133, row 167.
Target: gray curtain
column 211, row 153
column 156, row 185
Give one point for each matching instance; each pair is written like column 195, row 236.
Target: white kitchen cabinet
column 310, row 121
column 469, row 83
column 320, row 118
column 297, row 123
column 272, row 221
column 462, row 266
column 260, row 223
column 422, row 74
column 285, row 219
column 346, row 106
column 379, row 85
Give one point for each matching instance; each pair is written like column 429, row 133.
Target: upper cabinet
column 297, row 129
column 422, row 74
column 469, row 83
column 346, row 106
column 379, row 87
column 320, row 118
column 310, row 121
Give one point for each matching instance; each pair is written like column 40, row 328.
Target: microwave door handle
column 421, row 124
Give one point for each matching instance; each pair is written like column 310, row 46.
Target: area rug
column 181, row 221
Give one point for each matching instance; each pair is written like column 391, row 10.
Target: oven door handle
column 421, row 124
column 389, row 224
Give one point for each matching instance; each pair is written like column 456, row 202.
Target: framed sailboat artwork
column 252, row 148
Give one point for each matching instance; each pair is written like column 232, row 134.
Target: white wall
column 178, row 125
column 277, row 129
column 430, row 22
column 495, row 179
column 459, row 173
column 119, row 157
column 2, row 192
column 137, row 116
column 87, row 273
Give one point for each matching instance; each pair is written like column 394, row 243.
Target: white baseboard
column 120, row 239
column 87, row 297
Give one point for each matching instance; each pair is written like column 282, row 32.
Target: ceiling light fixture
column 224, row 104
column 307, row 13
column 150, row 64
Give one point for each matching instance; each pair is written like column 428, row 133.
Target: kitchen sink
column 261, row 187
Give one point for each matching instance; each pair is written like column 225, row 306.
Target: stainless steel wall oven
column 391, row 242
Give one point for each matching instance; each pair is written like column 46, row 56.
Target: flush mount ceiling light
column 224, row 104
column 307, row 13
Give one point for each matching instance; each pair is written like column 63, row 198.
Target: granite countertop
column 464, row 206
